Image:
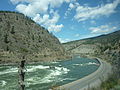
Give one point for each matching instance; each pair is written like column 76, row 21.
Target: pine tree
column 6, row 39
column 0, row 19
column 12, row 30
column 16, row 17
column 7, row 48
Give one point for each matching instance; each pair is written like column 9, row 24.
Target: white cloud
column 55, row 28
column 85, row 12
column 57, row 3
column 36, row 6
column 16, row 1
column 26, row 10
column 46, row 21
column 103, row 29
column 71, row 5
column 64, row 40
column 42, row 11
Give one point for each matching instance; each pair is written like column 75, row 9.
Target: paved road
column 92, row 80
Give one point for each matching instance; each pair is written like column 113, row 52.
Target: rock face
column 80, row 47
column 84, row 49
column 19, row 36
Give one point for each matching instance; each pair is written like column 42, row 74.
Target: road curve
column 91, row 81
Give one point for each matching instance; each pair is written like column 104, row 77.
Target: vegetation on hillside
column 19, row 35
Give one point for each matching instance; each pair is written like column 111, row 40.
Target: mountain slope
column 19, row 36
column 94, row 45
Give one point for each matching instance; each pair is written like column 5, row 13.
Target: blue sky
column 70, row 19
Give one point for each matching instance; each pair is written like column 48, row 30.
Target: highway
column 91, row 81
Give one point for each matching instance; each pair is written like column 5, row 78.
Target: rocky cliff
column 20, row 36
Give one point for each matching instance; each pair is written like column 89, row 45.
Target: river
column 45, row 75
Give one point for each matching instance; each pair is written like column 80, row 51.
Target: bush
column 110, row 83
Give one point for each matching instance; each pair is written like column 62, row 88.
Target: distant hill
column 19, row 36
column 94, row 45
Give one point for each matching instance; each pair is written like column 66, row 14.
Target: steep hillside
column 19, row 36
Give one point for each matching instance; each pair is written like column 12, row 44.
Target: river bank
column 40, row 60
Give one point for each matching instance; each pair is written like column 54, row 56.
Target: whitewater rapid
column 47, row 75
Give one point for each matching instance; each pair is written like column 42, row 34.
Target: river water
column 43, row 76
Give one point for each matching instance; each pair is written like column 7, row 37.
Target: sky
column 70, row 20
